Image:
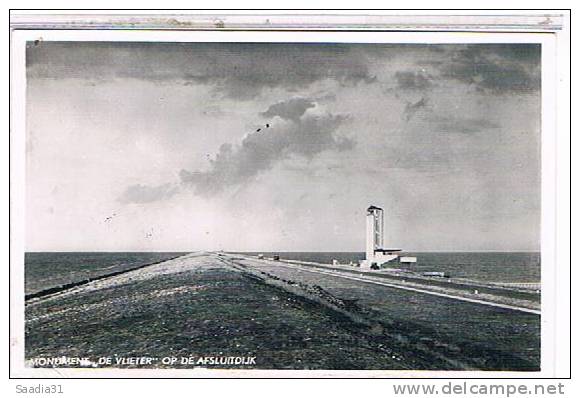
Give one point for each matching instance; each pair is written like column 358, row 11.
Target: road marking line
column 413, row 289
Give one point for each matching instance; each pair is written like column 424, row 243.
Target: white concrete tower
column 376, row 253
column 375, row 230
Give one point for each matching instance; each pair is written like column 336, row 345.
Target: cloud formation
column 496, row 69
column 408, row 80
column 242, row 71
column 239, row 71
column 153, row 109
column 291, row 109
column 140, row 194
column 306, row 135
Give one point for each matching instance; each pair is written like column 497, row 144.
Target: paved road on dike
column 495, row 334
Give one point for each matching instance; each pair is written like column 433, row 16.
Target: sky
column 281, row 146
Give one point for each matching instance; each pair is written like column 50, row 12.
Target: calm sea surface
column 46, row 270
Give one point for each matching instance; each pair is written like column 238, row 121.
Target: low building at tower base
column 376, row 254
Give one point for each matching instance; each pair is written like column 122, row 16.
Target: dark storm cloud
column 291, row 109
column 413, row 80
column 236, row 70
column 496, row 68
column 411, row 108
column 460, row 124
column 306, row 136
column 145, row 194
column 243, row 70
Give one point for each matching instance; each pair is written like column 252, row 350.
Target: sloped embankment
column 72, row 285
column 409, row 343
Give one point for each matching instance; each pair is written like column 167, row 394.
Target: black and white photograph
column 264, row 203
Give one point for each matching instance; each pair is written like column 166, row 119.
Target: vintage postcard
column 282, row 204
